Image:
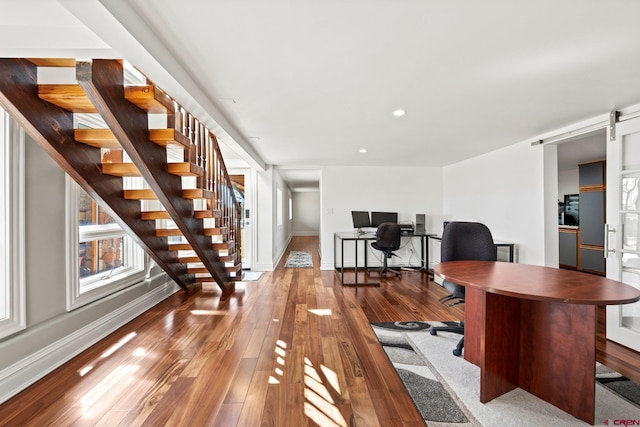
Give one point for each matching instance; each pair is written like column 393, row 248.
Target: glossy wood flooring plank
column 252, row 408
column 111, row 419
column 240, row 385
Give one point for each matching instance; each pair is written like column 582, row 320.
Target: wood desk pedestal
column 535, row 328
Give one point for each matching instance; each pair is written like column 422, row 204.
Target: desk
column 350, row 236
column 347, row 236
column 535, row 328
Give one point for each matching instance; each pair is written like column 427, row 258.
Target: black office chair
column 388, row 241
column 462, row 241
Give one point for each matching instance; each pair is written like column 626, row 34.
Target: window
column 103, row 258
column 279, row 207
column 12, row 287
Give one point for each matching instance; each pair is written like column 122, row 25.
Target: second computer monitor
column 378, row 218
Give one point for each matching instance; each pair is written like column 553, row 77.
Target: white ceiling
column 307, row 83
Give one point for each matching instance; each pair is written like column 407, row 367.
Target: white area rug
column 299, row 259
column 461, row 379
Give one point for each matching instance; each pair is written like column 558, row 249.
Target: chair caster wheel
column 457, row 352
column 433, row 332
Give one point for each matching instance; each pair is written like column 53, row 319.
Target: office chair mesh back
column 463, row 241
column 388, row 237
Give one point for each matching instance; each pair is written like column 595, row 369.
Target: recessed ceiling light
column 399, row 113
column 363, row 150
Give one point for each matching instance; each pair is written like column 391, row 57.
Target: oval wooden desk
column 534, row 327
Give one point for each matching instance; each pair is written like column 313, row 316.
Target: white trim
column 327, row 265
column 13, row 156
column 82, row 291
column 263, row 267
column 22, row 374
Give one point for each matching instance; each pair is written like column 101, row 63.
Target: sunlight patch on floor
column 320, row 406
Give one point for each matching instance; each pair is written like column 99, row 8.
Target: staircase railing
column 205, row 152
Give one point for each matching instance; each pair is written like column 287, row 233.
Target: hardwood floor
column 292, row 349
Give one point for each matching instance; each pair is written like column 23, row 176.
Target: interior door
column 241, row 179
column 622, row 234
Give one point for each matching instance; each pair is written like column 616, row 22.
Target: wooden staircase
column 195, row 233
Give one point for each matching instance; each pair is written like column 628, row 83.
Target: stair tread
column 185, row 169
column 180, row 247
column 101, row 138
column 216, row 231
column 220, row 247
column 169, row 137
column 209, row 231
column 120, row 169
column 149, row 98
column 145, row 194
column 167, row 232
column 229, row 244
column 197, row 193
column 208, row 213
column 151, row 215
column 53, row 62
column 70, row 97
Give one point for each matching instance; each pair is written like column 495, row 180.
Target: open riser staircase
column 181, row 208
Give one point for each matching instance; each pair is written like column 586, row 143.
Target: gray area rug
column 619, row 384
column 446, row 389
column 299, row 259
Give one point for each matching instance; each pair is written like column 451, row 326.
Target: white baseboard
column 19, row 376
column 306, row 233
column 263, row 267
column 326, row 265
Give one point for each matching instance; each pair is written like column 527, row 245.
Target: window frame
column 12, row 204
column 279, row 208
column 84, row 290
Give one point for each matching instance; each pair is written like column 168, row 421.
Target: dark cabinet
column 592, row 217
column 591, row 174
column 568, row 248
column 592, row 260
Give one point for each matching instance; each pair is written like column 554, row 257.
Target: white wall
column 503, row 189
column 306, row 213
column 568, row 182
column 271, row 239
column 283, row 232
column 406, row 190
column 264, row 221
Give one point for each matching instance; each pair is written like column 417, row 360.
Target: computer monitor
column 360, row 219
column 378, row 218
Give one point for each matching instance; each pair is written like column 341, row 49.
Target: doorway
column 581, row 202
column 241, row 180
